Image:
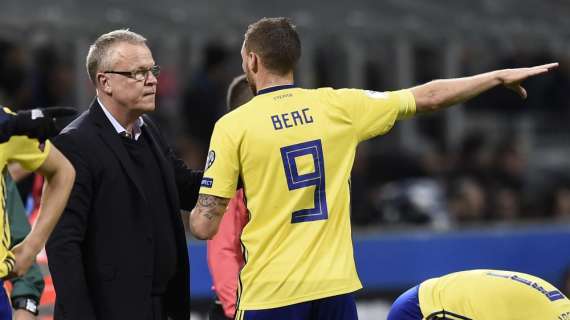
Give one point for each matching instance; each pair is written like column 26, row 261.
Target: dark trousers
column 407, row 306
column 341, row 307
column 5, row 307
column 157, row 311
column 217, row 312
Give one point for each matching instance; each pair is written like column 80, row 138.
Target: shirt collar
column 118, row 127
column 275, row 88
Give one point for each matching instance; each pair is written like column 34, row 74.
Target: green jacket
column 32, row 283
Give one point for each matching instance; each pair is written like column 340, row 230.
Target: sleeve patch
column 210, row 160
column 207, row 182
column 376, row 94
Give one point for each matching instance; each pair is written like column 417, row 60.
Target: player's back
column 493, row 294
column 295, row 148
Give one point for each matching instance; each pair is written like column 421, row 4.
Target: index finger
column 547, row 66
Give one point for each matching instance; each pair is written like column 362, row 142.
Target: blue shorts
column 340, row 307
column 5, row 307
column 407, row 306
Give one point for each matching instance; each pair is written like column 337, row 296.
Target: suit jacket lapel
column 113, row 140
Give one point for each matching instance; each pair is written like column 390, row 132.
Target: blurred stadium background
column 485, row 185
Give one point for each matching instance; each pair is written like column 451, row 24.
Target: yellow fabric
column 27, row 153
column 294, row 149
column 493, row 295
column 8, row 111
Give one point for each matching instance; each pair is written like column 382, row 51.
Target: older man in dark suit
column 119, row 251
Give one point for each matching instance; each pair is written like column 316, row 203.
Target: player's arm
column 59, row 177
column 439, row 94
column 27, row 290
column 206, row 216
column 38, row 123
column 225, row 258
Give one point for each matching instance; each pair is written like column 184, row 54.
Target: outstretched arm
column 439, row 94
column 206, row 216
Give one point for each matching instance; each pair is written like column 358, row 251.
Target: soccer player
column 482, row 295
column 59, row 175
column 225, row 258
column 294, row 148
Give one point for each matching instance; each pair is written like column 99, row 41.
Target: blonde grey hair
column 100, row 49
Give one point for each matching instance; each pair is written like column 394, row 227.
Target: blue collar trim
column 276, row 88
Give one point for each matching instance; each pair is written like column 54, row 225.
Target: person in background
column 23, row 142
column 40, row 124
column 225, row 258
column 482, row 295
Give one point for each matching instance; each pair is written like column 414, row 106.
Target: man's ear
column 103, row 83
column 253, row 62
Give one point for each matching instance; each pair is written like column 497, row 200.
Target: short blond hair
column 99, row 50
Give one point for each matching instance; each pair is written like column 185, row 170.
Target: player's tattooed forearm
column 211, row 206
column 207, row 215
column 206, row 201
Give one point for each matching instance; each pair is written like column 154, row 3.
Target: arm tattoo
column 207, row 215
column 211, row 206
column 206, row 201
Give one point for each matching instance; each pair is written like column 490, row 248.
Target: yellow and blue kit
column 28, row 153
column 482, row 295
column 294, row 149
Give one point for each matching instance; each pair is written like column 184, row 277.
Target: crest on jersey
column 376, row 94
column 210, row 159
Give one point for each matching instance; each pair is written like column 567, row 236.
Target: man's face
column 249, row 75
column 132, row 94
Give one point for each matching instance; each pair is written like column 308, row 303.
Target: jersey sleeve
column 27, row 152
column 374, row 113
column 222, row 164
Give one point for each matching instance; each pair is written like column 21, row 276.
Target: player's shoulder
column 28, row 150
column 236, row 118
column 15, row 142
column 325, row 94
column 324, row 91
column 339, row 93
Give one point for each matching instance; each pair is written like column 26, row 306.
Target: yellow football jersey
column 294, row 150
column 492, row 295
column 27, row 152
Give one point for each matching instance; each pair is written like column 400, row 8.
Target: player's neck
column 272, row 80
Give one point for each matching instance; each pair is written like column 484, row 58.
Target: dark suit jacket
column 101, row 252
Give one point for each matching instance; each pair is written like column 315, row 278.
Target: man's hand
column 25, row 256
column 512, row 78
column 22, row 314
column 439, row 94
column 36, row 123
